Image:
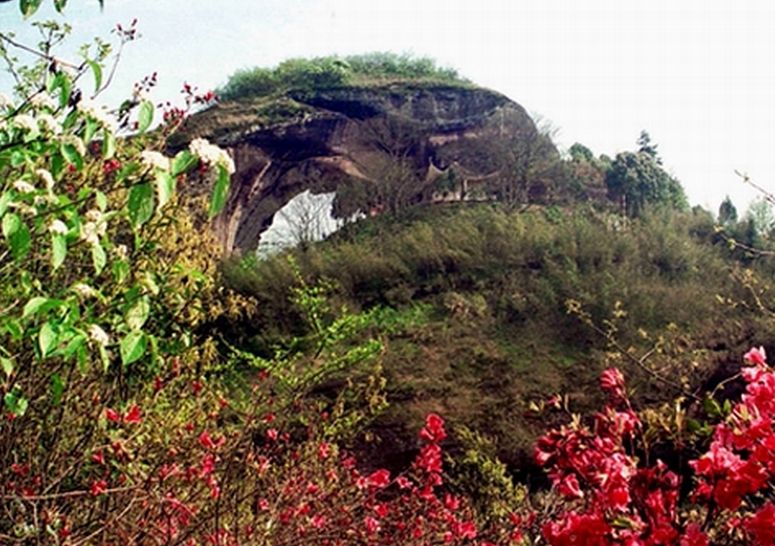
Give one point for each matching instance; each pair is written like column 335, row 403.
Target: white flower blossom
column 5, row 101
column 43, row 100
column 47, row 178
column 211, row 154
column 121, row 251
column 97, row 113
column 49, row 124
column 25, row 122
column 90, row 233
column 94, row 215
column 98, row 335
column 58, row 227
column 154, row 160
column 23, row 186
column 83, row 290
column 77, row 143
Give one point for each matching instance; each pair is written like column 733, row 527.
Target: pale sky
column 699, row 75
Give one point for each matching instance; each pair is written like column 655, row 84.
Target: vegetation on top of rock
column 335, row 71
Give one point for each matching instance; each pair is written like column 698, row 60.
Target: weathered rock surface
column 319, row 140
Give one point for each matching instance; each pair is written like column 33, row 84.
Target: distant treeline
column 333, row 71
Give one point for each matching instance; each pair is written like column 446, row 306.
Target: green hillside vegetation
column 474, row 307
column 333, row 71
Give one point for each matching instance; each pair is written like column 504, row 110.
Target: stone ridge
column 319, row 140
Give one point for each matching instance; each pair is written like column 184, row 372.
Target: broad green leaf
column 183, row 162
column 15, row 403
column 133, row 347
column 98, row 258
column 138, row 313
column 101, row 200
column 97, row 72
column 220, row 191
column 108, row 144
column 58, row 250
column 5, row 200
column 145, row 116
column 29, row 7
column 47, row 339
column 120, row 271
column 39, row 304
column 60, row 5
column 57, row 389
column 712, row 407
column 71, row 155
column 65, row 86
column 74, row 345
column 14, row 328
column 140, row 204
column 7, row 365
column 17, row 234
column 11, row 225
column 90, row 131
column 165, row 187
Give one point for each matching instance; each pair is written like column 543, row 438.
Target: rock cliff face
column 323, row 140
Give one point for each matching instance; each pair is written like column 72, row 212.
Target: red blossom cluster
column 609, row 498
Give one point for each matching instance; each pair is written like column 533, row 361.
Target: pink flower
column 433, row 431
column 756, row 356
column 612, row 382
column 112, row 415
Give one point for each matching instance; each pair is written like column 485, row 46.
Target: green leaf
column 71, row 155
column 712, row 407
column 183, row 162
column 108, row 144
column 138, row 313
column 220, row 191
column 90, row 131
column 11, row 225
column 98, row 258
column 97, row 72
column 14, row 328
column 101, row 200
column 57, row 389
column 29, row 7
column 17, row 234
column 133, row 347
column 140, row 204
column 47, row 339
column 65, row 85
column 15, row 403
column 74, row 345
column 5, row 200
column 60, row 5
column 39, row 304
column 145, row 116
column 120, row 271
column 165, row 187
column 58, row 250
column 7, row 365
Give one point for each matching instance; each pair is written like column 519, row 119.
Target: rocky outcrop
column 322, row 140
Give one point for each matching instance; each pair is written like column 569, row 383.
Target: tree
column 761, row 217
column 645, row 146
column 727, row 212
column 636, row 180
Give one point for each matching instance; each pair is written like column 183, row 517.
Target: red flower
column 372, row 525
column 98, row 487
column 133, row 416
column 694, row 536
column 434, row 428
column 112, row 415
column 379, row 479
column 756, row 356
column 612, row 382
column 762, row 525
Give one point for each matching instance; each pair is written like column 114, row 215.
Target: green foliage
column 727, row 212
column 326, row 72
column 638, row 182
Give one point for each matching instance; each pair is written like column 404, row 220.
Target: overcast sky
column 699, row 75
